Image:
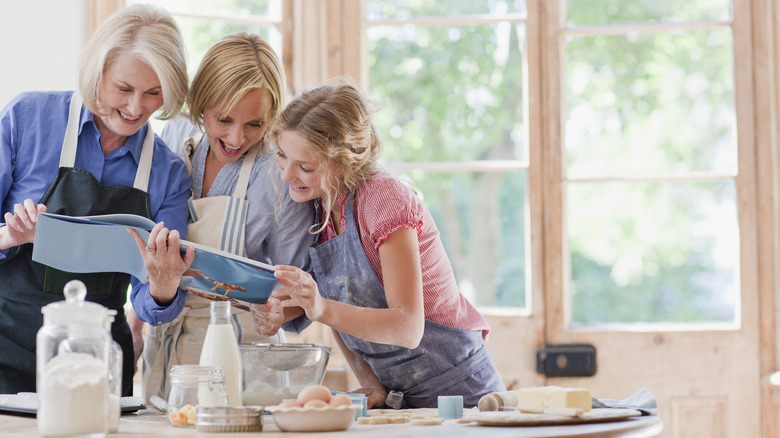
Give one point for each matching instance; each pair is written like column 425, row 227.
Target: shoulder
column 38, row 101
column 386, row 203
column 164, row 155
column 176, row 131
column 381, row 188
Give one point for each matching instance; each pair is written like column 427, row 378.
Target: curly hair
column 335, row 120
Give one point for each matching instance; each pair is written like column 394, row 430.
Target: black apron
column 26, row 286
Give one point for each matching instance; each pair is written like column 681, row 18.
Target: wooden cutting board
column 598, row 415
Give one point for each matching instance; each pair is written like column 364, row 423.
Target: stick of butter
column 536, row 399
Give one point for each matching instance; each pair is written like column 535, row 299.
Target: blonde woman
column 99, row 157
column 384, row 283
column 238, row 90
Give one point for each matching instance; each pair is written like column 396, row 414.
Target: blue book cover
column 102, row 244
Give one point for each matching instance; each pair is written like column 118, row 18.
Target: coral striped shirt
column 383, row 204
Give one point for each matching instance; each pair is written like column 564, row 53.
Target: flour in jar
column 72, row 395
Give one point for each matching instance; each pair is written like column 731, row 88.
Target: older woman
column 63, row 156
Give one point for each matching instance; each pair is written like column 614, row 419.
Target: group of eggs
column 316, row 396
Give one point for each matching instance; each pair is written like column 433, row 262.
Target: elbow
column 413, row 336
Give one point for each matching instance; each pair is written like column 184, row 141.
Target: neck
column 109, row 141
column 213, row 166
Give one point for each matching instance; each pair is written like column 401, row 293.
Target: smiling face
column 300, row 169
column 129, row 94
column 242, row 128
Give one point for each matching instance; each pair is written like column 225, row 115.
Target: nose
column 284, row 170
column 135, row 104
column 236, row 136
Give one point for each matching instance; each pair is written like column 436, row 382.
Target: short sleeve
column 388, row 204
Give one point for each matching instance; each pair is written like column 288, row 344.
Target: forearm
column 394, row 326
column 362, row 370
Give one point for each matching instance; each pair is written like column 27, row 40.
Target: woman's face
column 242, row 128
column 130, row 93
column 299, row 168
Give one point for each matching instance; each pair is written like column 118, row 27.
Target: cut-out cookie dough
column 428, row 421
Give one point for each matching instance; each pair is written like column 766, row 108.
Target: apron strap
column 246, row 171
column 68, row 155
column 145, row 163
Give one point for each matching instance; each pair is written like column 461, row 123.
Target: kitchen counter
column 152, row 423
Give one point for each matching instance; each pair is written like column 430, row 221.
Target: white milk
column 220, row 348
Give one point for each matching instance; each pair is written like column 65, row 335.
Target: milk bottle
column 220, row 348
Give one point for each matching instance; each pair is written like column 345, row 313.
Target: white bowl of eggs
column 315, row 410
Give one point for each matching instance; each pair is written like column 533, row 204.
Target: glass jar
column 114, row 378
column 72, row 362
column 194, row 386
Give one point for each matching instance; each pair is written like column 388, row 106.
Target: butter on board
column 536, row 399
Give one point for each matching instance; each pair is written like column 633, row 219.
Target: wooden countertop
column 152, row 423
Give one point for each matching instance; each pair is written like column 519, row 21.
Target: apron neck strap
column 68, row 155
column 145, row 163
column 246, row 172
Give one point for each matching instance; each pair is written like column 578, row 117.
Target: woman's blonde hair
column 335, row 120
column 147, row 32
column 232, row 67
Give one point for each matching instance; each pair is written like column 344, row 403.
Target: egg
column 314, row 392
column 314, row 403
column 290, row 404
column 340, row 400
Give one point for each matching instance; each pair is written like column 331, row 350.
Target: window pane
column 404, row 9
column 599, row 12
column 653, row 252
column 263, row 8
column 449, row 93
column 200, row 34
column 650, row 103
column 482, row 221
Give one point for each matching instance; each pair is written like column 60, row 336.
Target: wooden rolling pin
column 498, row 401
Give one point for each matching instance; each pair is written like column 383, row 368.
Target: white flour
column 72, row 395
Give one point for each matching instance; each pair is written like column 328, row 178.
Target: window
column 650, row 163
column 450, row 80
column 638, row 224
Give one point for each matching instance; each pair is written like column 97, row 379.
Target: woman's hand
column 163, row 261
column 268, row 317
column 299, row 290
column 376, row 396
column 20, row 225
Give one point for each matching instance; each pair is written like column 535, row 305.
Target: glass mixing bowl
column 275, row 372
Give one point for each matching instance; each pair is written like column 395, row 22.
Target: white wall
column 40, row 44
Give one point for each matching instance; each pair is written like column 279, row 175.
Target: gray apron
column 448, row 361
column 27, row 286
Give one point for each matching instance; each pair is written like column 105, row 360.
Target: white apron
column 218, row 222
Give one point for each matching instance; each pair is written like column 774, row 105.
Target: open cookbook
column 102, row 244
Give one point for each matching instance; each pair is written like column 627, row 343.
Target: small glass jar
column 194, row 386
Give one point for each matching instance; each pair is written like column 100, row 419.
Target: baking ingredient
column 314, row 403
column 290, row 404
column 536, row 399
column 314, row 392
column 183, row 416
column 73, row 394
column 258, row 393
column 340, row 400
column 220, row 348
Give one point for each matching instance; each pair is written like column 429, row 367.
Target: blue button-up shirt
column 32, row 128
